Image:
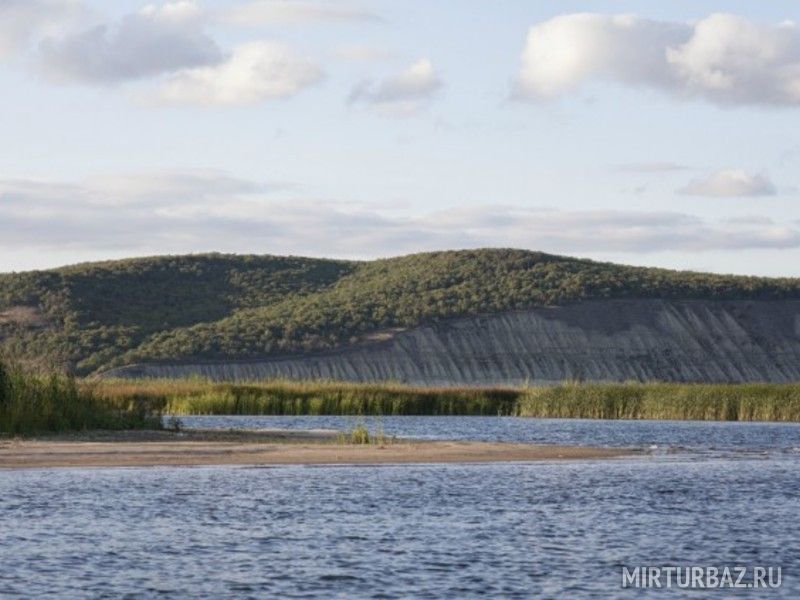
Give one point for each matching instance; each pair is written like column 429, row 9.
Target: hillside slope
column 83, row 316
column 196, row 309
column 596, row 340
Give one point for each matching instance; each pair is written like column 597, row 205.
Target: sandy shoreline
column 196, row 448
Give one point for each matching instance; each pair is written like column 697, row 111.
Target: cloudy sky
column 650, row 132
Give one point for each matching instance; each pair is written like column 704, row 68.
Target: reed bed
column 285, row 397
column 32, row 403
column 721, row 402
column 701, row 402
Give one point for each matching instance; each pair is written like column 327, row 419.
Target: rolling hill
column 473, row 316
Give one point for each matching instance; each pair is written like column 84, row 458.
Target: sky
column 659, row 133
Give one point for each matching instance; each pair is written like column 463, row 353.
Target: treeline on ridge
column 89, row 317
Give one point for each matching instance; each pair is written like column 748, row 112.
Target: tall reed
column 716, row 402
column 282, row 397
column 37, row 403
column 737, row 402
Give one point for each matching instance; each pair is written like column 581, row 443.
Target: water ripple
column 422, row 531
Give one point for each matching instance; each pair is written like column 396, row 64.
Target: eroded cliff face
column 613, row 340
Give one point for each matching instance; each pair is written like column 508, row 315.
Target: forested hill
column 93, row 316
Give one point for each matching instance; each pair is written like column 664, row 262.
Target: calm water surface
column 711, row 494
column 694, row 438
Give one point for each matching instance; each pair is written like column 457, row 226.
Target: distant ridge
column 227, row 308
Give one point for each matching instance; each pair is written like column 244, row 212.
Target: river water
column 707, row 494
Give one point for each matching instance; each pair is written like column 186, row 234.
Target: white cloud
column 156, row 40
column 191, row 186
column 730, row 183
column 168, row 42
column 361, row 52
column 176, row 11
column 116, row 191
column 209, row 210
column 254, row 72
column 23, row 20
column 561, row 53
column 403, row 94
column 750, row 220
column 732, row 60
column 293, row 12
column 650, row 167
column 723, row 58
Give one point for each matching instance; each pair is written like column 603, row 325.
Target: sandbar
column 208, row 447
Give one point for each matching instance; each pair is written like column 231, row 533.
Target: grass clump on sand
column 360, row 435
column 32, row 403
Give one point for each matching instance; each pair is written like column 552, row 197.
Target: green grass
column 360, row 435
column 703, row 402
column 32, row 403
column 283, row 397
column 722, row 402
